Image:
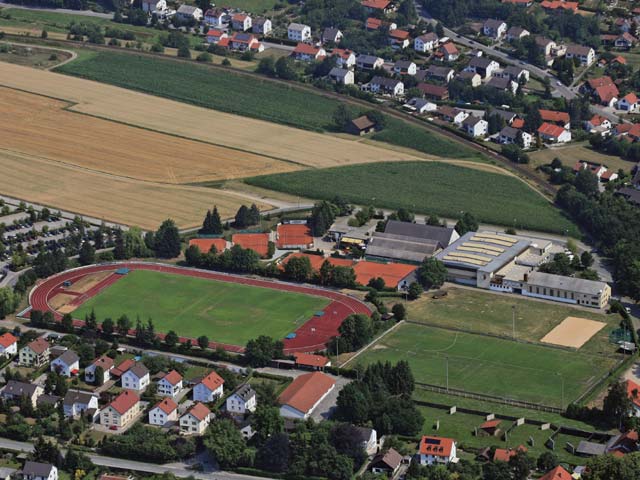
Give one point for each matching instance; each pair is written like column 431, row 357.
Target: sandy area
column 573, row 332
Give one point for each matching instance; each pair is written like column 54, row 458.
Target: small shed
column 361, row 126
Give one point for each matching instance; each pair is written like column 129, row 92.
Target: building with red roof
column 214, row 35
column 434, row 92
column 399, row 39
column 490, row 426
column 122, row 411
column 165, row 411
column 205, row 244
column 314, row 362
column 436, row 450
column 209, row 388
column 518, row 123
column 170, row 385
column 623, row 443
column 258, row 242
column 196, row 420
column 557, row 118
column 395, row 275
column 304, row 394
column 317, row 260
column 123, row 367
column 377, row 5
column 105, row 363
column 558, row 473
column 293, row 236
column 448, row 52
column 504, row 455
column 553, row 133
column 308, row 53
column 633, row 390
column 8, row 345
column 553, row 5
column 373, row 23
column 629, row 103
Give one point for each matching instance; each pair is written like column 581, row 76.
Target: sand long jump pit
column 573, row 332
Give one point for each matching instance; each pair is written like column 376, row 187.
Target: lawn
column 492, row 366
column 427, row 187
column 226, row 312
column 580, row 151
column 479, row 311
column 243, row 95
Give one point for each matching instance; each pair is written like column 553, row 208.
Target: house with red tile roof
column 554, row 5
column 309, row 361
column 633, row 390
column 504, row 455
column 490, row 426
column 122, row 411
column 399, row 39
column 625, row 41
column 35, row 353
column 557, row 118
column 553, row 133
column 8, row 345
column 196, row 420
column 165, row 411
column 291, row 236
column 558, row 473
column 205, row 244
column 448, row 52
column 629, row 103
column 209, row 388
column 242, row 42
column 258, row 242
column 626, row 442
column 214, row 35
column 105, row 363
column 241, row 22
column 122, row 367
column 371, row 6
column 170, row 385
column 598, row 123
column 436, row 450
column 308, row 53
column 304, row 394
column 433, row 92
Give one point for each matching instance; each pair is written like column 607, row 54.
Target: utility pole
column 513, row 320
column 446, row 367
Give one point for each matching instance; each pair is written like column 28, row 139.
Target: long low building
column 589, row 293
column 299, row 400
column 387, row 246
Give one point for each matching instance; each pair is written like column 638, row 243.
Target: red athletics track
column 310, row 337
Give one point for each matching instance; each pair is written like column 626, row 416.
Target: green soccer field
column 488, row 365
column 225, row 312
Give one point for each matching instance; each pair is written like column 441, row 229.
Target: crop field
column 427, row 187
column 242, row 95
column 479, row 311
column 492, row 366
column 33, row 56
column 226, row 312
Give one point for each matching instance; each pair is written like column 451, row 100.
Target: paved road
column 84, row 13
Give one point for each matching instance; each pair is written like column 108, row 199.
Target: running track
column 310, row 337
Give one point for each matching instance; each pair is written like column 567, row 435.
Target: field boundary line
column 379, row 337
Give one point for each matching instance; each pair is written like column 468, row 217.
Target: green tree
column 586, row 259
column 124, row 325
column 203, row 342
column 242, row 217
column 274, row 455
column 260, row 351
column 586, row 183
column 267, row 66
column 67, row 323
column 467, row 223
column 399, row 311
column 267, row 421
column 285, row 69
column 171, row 339
column 167, row 240
column 298, row 269
column 342, row 117
column 432, row 273
column 184, row 51
column 521, row 465
column 87, row 254
column 547, row 461
column 224, row 441
column 193, row 256
column 617, row 405
column 8, row 301
column 414, row 291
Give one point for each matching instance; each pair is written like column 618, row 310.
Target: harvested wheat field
column 118, row 149
column 233, row 131
column 103, row 196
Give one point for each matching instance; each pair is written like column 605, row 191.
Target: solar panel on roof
column 432, row 441
column 484, row 245
column 492, row 240
column 497, row 237
column 478, row 250
column 465, row 260
column 470, row 255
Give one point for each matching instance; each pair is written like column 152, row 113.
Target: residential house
column 214, row 35
column 436, row 450
column 196, row 420
column 35, row 353
column 509, row 135
column 519, row 3
column 561, row 119
column 506, row 454
column 67, row 364
column 387, row 463
column 188, row 12
column 307, row 361
column 262, row 26
column 405, row 67
column 603, row 89
column 332, row 35
column 554, row 5
column 557, row 473
column 383, row 85
column 440, row 74
column 151, row 6
column 426, row 43
column 546, row 44
column 216, row 17
column 15, row 390
column 8, row 345
column 420, row 105
column 163, row 412
column 37, row 471
column 471, row 78
column 105, row 364
column 586, row 55
column 475, row 126
column 495, row 29
column 374, row 24
column 553, row 133
column 241, row 22
column 342, row 76
column 629, row 103
column 596, row 168
column 122, row 411
column 242, row 401
column 399, row 39
column 308, row 53
column 368, row 62
column 170, row 385
column 448, row 52
column 243, row 42
column 633, row 391
column 298, row 32
column 485, row 67
column 515, row 73
column 626, row 41
column 209, row 389
column 344, row 58
column 77, row 402
column 136, row 378
column 433, row 92
column 8, row 473
column 383, row 6
column 368, row 439
column 503, row 84
column 360, row 126
column 517, row 33
column 304, row 394
column 598, row 124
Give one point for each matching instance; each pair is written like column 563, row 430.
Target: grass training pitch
column 489, row 365
column 427, row 187
column 225, row 312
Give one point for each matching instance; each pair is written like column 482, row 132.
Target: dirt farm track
column 310, row 337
